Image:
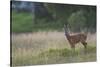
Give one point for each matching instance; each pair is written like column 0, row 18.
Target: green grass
column 55, row 56
column 49, row 48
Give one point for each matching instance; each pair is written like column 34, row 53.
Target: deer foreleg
column 73, row 48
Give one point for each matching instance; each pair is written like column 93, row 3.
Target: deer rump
column 76, row 38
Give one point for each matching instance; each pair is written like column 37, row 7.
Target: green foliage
column 25, row 22
column 22, row 22
column 78, row 17
column 90, row 14
column 77, row 21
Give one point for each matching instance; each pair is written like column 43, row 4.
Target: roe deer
column 76, row 38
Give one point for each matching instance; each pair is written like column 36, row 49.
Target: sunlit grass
column 49, row 48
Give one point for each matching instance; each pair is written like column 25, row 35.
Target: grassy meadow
column 49, row 48
column 38, row 37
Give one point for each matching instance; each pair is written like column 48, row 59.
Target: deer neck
column 67, row 35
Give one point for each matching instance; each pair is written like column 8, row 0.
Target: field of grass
column 49, row 48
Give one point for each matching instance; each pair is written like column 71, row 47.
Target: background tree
column 36, row 16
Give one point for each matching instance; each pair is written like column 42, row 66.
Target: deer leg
column 85, row 46
column 73, row 49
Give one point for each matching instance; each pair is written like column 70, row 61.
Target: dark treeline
column 52, row 16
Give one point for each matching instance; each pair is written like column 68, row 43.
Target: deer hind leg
column 84, row 44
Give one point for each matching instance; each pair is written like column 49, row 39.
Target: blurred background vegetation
column 38, row 16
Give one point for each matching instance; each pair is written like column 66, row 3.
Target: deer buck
column 76, row 38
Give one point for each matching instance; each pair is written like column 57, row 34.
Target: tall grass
column 49, row 48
